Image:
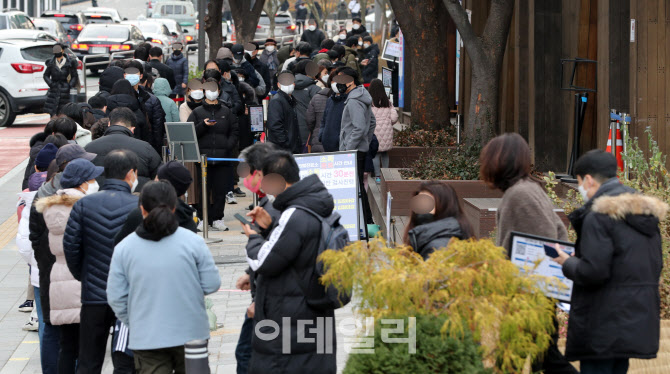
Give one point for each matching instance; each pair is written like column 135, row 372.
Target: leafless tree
column 213, row 26
column 246, row 14
column 271, row 7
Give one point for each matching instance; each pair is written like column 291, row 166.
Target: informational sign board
column 528, row 254
column 392, row 51
column 337, row 171
column 182, row 141
column 256, row 118
column 387, row 77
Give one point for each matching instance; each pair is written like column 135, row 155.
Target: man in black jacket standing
column 615, row 306
column 313, row 35
column 282, row 124
column 261, row 68
column 156, row 57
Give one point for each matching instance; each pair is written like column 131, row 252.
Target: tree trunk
column 484, row 107
column 246, row 19
column 270, row 9
column 213, row 27
column 364, row 5
column 424, row 27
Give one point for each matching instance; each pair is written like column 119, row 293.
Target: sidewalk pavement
column 19, row 350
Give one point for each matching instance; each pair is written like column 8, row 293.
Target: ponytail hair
column 159, row 199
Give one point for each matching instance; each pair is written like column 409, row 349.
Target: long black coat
column 59, row 85
column 615, row 311
column 282, row 125
column 220, row 140
column 156, row 115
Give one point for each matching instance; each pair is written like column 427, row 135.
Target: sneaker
column 200, row 227
column 219, row 225
column 378, row 180
column 250, row 207
column 33, row 323
column 230, row 198
column 238, row 193
column 26, row 307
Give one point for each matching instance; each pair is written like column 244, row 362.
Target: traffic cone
column 619, row 145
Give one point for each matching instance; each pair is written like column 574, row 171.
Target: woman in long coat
column 61, row 76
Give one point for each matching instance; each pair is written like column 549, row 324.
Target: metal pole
column 202, row 9
column 196, row 357
column 613, row 135
column 205, row 204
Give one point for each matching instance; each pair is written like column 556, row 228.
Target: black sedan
column 104, row 41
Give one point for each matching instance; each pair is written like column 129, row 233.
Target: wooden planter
column 403, row 190
column 402, row 157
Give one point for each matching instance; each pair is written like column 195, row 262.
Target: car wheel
column 7, row 115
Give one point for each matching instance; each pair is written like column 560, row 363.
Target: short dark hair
column 597, row 163
column 140, row 54
column 341, row 51
column 305, row 49
column 215, row 62
column 73, row 111
column 122, row 116
column 136, row 64
column 56, row 139
column 352, row 41
column 119, row 162
column 327, row 44
column 357, row 19
column 97, row 102
column 120, row 63
column 367, row 39
column 66, row 126
column 299, row 68
column 256, row 155
column 282, row 163
column 350, row 72
column 504, row 161
column 155, row 52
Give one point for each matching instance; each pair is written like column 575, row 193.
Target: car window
column 166, row 10
column 279, row 20
column 149, row 27
column 38, row 53
column 101, row 32
column 96, row 18
column 66, row 21
column 4, row 22
column 165, row 30
column 137, row 34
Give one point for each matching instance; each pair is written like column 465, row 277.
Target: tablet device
column 533, row 255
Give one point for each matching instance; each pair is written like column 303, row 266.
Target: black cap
column 270, row 40
column 224, row 66
column 177, row 174
column 238, row 50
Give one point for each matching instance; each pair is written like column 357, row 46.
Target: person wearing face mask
column 357, row 29
column 322, row 52
column 61, row 77
column 313, row 35
column 260, row 68
column 341, row 38
column 119, row 135
column 151, row 106
column 303, row 52
column 331, row 120
column 316, row 109
column 350, row 57
column 88, row 244
column 342, row 12
column 282, row 124
column 435, row 219
column 77, row 181
column 525, row 207
column 194, row 96
column 305, row 90
column 270, row 59
column 253, row 77
column 179, row 65
column 370, row 62
column 615, row 305
column 217, row 130
column 221, row 72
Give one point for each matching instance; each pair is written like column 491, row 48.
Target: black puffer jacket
column 36, row 145
column 305, row 90
column 231, row 97
column 615, row 306
column 183, row 212
column 107, row 79
column 156, row 115
column 314, row 38
column 266, row 204
column 426, row 238
column 142, row 127
column 371, row 70
column 282, row 124
column 179, row 66
column 262, row 69
column 283, row 272
column 119, row 137
column 220, row 140
column 59, row 86
column 88, row 242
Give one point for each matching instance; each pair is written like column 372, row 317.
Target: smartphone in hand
column 242, row 219
column 550, row 251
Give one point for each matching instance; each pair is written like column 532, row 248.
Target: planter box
column 402, row 157
column 403, row 190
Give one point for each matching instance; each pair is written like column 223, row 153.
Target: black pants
column 617, row 366
column 554, row 362
column 367, row 213
column 96, row 320
column 219, row 183
column 160, row 361
column 243, row 350
column 69, row 348
column 123, row 364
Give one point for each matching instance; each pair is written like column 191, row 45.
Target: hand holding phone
column 550, row 251
column 210, row 122
column 242, row 219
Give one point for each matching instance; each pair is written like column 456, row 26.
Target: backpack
column 333, row 236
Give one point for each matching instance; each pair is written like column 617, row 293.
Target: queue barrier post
column 205, row 203
column 196, row 357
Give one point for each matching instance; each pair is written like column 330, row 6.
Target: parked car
column 92, row 18
column 108, row 11
column 31, row 35
column 15, row 19
column 180, row 11
column 54, row 28
column 176, row 32
column 284, row 26
column 102, row 39
column 72, row 22
column 155, row 32
column 24, row 61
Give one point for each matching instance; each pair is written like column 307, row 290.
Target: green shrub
column 415, row 136
column 435, row 353
column 461, row 163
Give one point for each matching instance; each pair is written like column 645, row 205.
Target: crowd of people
column 111, row 244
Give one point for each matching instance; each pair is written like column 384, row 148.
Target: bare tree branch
column 496, row 29
column 471, row 41
column 246, row 19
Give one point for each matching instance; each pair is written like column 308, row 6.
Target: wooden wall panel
column 521, row 67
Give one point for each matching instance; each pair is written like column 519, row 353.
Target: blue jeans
column 49, row 337
column 243, row 350
column 615, row 366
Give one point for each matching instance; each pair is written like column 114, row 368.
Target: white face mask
column 583, row 192
column 212, row 95
column 92, row 188
column 324, row 78
column 241, row 79
column 343, row 36
column 197, row 95
column 270, row 48
column 356, row 26
column 249, row 52
column 360, row 42
column 135, row 183
column 366, row 45
column 334, row 87
column 287, row 89
column 311, row 27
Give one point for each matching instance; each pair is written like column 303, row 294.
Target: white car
column 107, row 11
column 22, row 86
column 34, row 35
column 155, row 33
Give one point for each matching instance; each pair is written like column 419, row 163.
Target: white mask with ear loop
column 92, row 188
column 135, row 183
column 583, row 192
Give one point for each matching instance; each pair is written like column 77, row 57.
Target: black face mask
column 212, row 73
column 422, row 219
column 193, row 104
column 341, row 88
column 177, row 52
column 58, row 55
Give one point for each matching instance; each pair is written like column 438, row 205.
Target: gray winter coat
column 358, row 121
column 305, row 90
column 427, row 238
column 314, row 116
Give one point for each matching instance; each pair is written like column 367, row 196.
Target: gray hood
column 302, row 81
column 50, row 188
column 435, row 235
column 359, row 93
